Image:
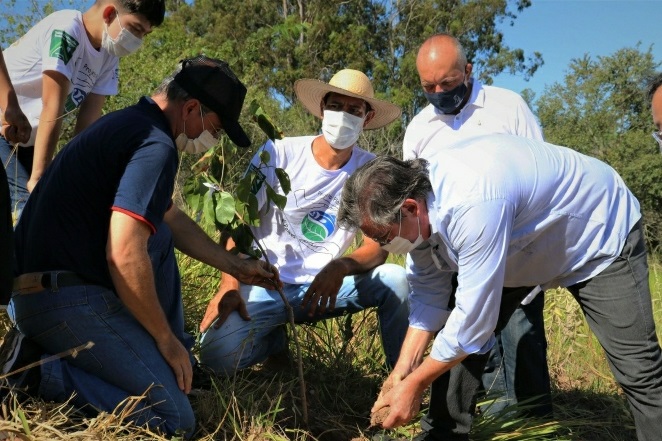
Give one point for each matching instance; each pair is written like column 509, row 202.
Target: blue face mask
column 449, row 101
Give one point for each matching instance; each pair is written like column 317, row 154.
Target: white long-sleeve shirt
column 507, row 212
column 489, row 110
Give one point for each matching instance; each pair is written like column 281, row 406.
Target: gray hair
column 174, row 92
column 376, row 191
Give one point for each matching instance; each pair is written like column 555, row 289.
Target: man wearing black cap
column 95, row 251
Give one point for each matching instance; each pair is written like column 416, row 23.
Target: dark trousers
column 517, row 369
column 453, row 394
column 6, row 240
column 618, row 308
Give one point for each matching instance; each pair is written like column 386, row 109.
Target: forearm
column 90, row 111
column 50, row 125
column 55, row 87
column 7, row 93
column 133, row 279
column 228, row 281
column 413, row 350
column 364, row 258
column 191, row 240
column 132, row 274
column 428, row 371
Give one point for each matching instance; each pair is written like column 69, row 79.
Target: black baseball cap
column 213, row 83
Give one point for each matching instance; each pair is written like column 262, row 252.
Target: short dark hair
column 654, row 84
column 152, row 10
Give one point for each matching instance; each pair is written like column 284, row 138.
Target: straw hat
column 347, row 82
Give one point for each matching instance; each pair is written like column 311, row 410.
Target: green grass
column 343, row 374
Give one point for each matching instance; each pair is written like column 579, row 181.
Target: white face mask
column 126, row 43
column 198, row 145
column 341, row 130
column 400, row 245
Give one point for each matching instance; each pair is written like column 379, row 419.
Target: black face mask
column 449, row 101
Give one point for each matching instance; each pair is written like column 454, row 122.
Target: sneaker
column 16, row 352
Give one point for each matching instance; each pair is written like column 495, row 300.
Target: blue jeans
column 516, row 369
column 124, row 360
column 238, row 344
column 18, row 165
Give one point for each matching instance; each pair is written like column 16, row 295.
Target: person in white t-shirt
column 461, row 107
column 243, row 324
column 68, row 61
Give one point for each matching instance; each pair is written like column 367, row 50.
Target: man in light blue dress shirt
column 505, row 211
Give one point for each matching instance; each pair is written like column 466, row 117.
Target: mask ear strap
column 400, row 227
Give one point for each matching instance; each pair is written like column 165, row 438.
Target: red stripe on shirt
column 135, row 216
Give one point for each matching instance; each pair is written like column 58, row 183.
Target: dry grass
column 344, row 368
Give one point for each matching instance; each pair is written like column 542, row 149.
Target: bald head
column 442, row 46
column 442, row 63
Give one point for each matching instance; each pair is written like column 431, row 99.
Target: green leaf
column 253, row 217
column 244, row 187
column 277, row 199
column 216, row 167
column 284, row 180
column 265, row 123
column 194, row 201
column 193, row 192
column 208, row 207
column 265, row 157
column 243, row 239
column 224, row 207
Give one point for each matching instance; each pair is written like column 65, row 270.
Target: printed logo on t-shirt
column 74, row 99
column 258, row 180
column 63, row 45
column 317, row 226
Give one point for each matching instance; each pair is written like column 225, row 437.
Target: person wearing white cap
column 243, row 324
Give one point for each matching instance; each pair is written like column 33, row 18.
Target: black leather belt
column 34, row 282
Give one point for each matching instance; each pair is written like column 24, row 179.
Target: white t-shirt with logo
column 59, row 43
column 301, row 239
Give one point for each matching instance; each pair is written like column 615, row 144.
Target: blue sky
column 565, row 29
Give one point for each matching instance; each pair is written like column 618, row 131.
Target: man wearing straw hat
column 243, row 324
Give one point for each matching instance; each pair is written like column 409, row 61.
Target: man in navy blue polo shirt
column 95, row 250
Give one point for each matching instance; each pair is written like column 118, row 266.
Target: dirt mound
column 378, row 417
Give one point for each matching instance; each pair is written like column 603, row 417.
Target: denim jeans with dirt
column 124, row 360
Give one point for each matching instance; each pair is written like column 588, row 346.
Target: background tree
column 600, row 109
column 272, row 44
